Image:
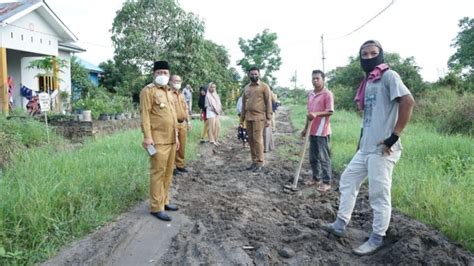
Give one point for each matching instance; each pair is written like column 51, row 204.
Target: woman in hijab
column 202, row 106
column 213, row 111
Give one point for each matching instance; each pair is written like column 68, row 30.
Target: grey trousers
column 319, row 158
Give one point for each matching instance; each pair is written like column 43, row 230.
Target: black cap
column 161, row 65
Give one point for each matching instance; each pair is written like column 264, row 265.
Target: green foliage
column 69, row 193
column 449, row 112
column 81, row 84
column 261, row 51
column 343, row 97
column 99, row 101
column 47, row 63
column 208, row 62
column 431, row 182
column 461, row 64
column 464, row 43
column 144, row 31
column 72, row 192
column 20, row 131
column 351, row 75
column 291, row 96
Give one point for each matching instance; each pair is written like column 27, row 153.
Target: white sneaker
column 367, row 249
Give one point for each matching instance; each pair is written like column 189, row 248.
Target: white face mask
column 162, row 80
column 177, row 86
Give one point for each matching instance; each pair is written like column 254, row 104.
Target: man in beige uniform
column 160, row 131
column 182, row 117
column 257, row 112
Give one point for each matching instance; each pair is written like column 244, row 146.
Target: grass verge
column 49, row 197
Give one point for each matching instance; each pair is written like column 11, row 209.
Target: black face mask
column 369, row 64
column 254, row 79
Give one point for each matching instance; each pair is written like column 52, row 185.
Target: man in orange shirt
column 183, row 120
column 257, row 112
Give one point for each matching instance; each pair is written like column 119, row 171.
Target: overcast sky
column 423, row 29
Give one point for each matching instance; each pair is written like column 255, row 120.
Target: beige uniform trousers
column 180, row 154
column 161, row 174
column 205, row 131
column 255, row 133
column 214, row 129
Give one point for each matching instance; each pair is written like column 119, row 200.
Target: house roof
column 14, row 10
column 71, row 47
column 89, row 66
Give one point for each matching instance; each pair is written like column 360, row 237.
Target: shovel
column 293, row 186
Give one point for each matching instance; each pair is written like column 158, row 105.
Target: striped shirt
column 322, row 101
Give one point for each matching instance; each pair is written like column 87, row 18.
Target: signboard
column 54, row 94
column 44, row 101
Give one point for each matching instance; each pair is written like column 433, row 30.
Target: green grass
column 433, row 181
column 50, row 196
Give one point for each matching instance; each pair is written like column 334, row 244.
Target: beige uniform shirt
column 158, row 114
column 256, row 102
column 181, row 106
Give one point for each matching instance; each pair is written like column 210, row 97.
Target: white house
column 30, row 30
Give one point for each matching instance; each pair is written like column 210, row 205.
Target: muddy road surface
column 231, row 216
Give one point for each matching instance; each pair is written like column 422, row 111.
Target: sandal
column 323, row 187
column 311, row 182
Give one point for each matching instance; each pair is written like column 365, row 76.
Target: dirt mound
column 243, row 218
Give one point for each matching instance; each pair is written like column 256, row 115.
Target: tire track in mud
column 238, row 217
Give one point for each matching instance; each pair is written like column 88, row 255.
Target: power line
column 365, row 24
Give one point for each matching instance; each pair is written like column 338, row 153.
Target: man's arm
column 145, row 108
column 268, row 103
column 405, row 110
column 244, row 106
column 406, row 104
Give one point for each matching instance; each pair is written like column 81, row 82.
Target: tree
column 144, row 30
column 147, row 30
column 261, row 51
column 461, row 63
column 464, row 43
column 351, row 75
column 81, row 84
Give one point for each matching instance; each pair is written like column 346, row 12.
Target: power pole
column 296, row 78
column 322, row 46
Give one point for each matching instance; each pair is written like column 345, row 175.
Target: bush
column 20, row 131
column 449, row 112
column 344, row 97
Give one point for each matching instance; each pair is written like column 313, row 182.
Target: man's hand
column 311, row 115
column 303, row 133
column 388, row 143
column 267, row 123
column 178, row 145
column 385, row 149
column 147, row 141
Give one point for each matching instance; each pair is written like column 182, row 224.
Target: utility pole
column 296, row 78
column 322, row 46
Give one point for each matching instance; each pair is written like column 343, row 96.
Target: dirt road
column 230, row 216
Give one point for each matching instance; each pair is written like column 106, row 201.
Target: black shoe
column 257, row 169
column 251, row 167
column 171, row 207
column 161, row 215
column 184, row 170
